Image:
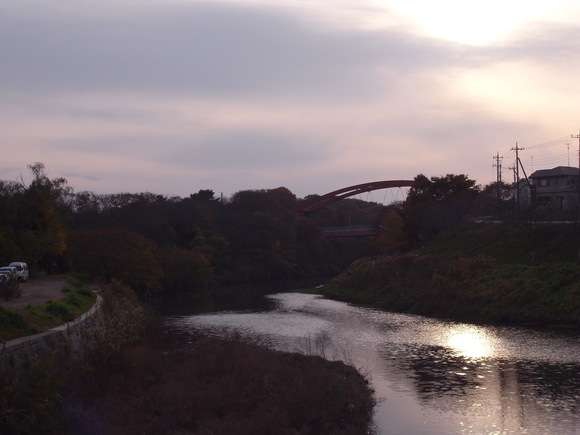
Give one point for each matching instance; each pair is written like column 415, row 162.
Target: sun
column 474, row 22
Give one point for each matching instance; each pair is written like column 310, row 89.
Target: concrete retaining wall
column 31, row 348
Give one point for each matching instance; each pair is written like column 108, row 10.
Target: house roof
column 558, row 171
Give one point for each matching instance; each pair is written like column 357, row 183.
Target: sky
column 174, row 96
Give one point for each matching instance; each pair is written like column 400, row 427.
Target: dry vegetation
column 159, row 386
column 219, row 387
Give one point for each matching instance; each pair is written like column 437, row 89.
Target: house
column 555, row 188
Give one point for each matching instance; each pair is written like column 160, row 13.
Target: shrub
column 10, row 319
column 120, row 320
column 59, row 310
column 467, row 268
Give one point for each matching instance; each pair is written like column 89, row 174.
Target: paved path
column 37, row 292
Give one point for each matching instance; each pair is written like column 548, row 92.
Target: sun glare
column 470, row 342
column 469, row 22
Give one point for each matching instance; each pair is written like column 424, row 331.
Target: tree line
column 156, row 243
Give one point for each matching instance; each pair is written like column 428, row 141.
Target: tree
column 392, row 233
column 33, row 217
column 184, row 269
column 439, row 189
column 438, row 203
column 203, row 195
column 117, row 254
column 495, row 199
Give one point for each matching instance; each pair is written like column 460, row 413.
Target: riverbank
column 475, row 289
column 133, row 377
column 210, row 386
column 213, row 386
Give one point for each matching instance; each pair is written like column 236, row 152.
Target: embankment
column 473, row 289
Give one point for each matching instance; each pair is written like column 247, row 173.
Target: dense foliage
column 158, row 244
column 155, row 243
column 32, row 218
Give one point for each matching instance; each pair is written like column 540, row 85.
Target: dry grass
column 221, row 387
column 161, row 386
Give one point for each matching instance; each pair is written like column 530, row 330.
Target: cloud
column 174, row 96
column 201, row 49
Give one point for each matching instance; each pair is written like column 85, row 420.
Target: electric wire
column 544, row 160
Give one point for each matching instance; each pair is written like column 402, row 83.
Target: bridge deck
column 357, row 231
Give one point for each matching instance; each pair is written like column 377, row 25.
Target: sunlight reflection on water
column 471, row 342
column 430, row 376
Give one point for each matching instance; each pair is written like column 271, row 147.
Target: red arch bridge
column 320, row 202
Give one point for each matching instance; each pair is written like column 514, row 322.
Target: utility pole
column 577, row 136
column 497, row 165
column 513, row 169
column 517, row 150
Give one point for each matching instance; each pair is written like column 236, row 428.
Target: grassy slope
column 33, row 319
column 496, row 273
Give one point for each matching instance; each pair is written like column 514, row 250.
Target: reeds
column 223, row 387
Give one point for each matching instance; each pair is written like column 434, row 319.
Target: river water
column 430, row 377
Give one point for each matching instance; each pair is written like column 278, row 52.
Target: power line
column 549, row 159
column 542, row 160
column 551, row 143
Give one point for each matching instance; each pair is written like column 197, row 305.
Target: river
column 431, row 377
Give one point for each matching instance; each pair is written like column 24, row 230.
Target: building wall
column 558, row 193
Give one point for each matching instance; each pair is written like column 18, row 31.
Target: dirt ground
column 37, row 292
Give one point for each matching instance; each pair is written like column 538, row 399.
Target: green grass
column 463, row 284
column 509, row 243
column 38, row 318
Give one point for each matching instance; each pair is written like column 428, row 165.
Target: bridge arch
column 319, row 202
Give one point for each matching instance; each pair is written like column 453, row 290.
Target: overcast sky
column 173, row 96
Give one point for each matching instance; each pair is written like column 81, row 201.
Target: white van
column 21, row 270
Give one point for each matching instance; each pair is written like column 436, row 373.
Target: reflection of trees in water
column 553, row 386
column 435, row 371
column 444, row 380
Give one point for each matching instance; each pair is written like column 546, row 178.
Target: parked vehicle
column 10, row 288
column 4, row 283
column 21, row 270
column 11, row 271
